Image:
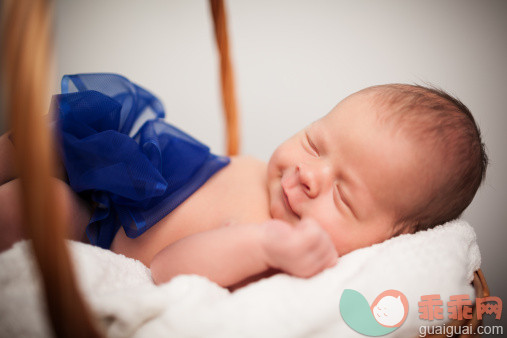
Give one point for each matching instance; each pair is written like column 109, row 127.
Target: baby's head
column 386, row 160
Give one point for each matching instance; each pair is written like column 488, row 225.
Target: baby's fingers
column 326, row 254
column 315, row 262
column 331, row 258
column 314, row 236
column 320, row 252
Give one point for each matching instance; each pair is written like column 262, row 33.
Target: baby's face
column 347, row 171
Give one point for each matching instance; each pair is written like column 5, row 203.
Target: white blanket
column 126, row 303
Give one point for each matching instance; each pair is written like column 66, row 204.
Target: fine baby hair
column 445, row 129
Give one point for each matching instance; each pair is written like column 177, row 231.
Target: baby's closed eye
column 312, row 148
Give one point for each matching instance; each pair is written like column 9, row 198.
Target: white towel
column 127, row 304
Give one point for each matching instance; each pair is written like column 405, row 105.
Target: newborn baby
column 386, row 160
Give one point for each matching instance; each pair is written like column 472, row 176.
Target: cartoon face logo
column 390, row 308
column 386, row 314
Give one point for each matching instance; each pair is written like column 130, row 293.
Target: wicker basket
column 481, row 290
column 27, row 26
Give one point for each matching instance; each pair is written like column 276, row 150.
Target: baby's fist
column 302, row 250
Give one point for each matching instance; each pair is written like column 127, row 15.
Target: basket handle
column 226, row 77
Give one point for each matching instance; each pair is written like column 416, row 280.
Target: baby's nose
column 313, row 178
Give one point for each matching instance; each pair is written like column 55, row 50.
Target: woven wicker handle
column 26, row 52
column 226, row 77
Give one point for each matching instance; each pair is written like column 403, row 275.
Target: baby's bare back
column 237, row 194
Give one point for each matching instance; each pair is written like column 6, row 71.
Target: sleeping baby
column 387, row 160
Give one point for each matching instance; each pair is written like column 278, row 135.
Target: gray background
column 295, row 60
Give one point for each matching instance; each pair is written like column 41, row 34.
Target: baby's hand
column 302, row 250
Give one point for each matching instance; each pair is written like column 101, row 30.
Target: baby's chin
column 278, row 211
column 275, row 209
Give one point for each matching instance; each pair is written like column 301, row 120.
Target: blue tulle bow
column 119, row 151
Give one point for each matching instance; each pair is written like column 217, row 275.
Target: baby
column 387, row 160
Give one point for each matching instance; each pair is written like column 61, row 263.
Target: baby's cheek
column 229, row 222
column 274, row 173
column 281, row 158
column 339, row 240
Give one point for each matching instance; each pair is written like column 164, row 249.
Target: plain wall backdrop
column 294, row 60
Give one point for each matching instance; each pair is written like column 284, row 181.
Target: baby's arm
column 230, row 254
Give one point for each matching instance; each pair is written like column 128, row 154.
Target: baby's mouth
column 287, row 201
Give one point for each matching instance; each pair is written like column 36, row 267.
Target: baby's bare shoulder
column 242, row 187
column 246, row 165
column 243, row 174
